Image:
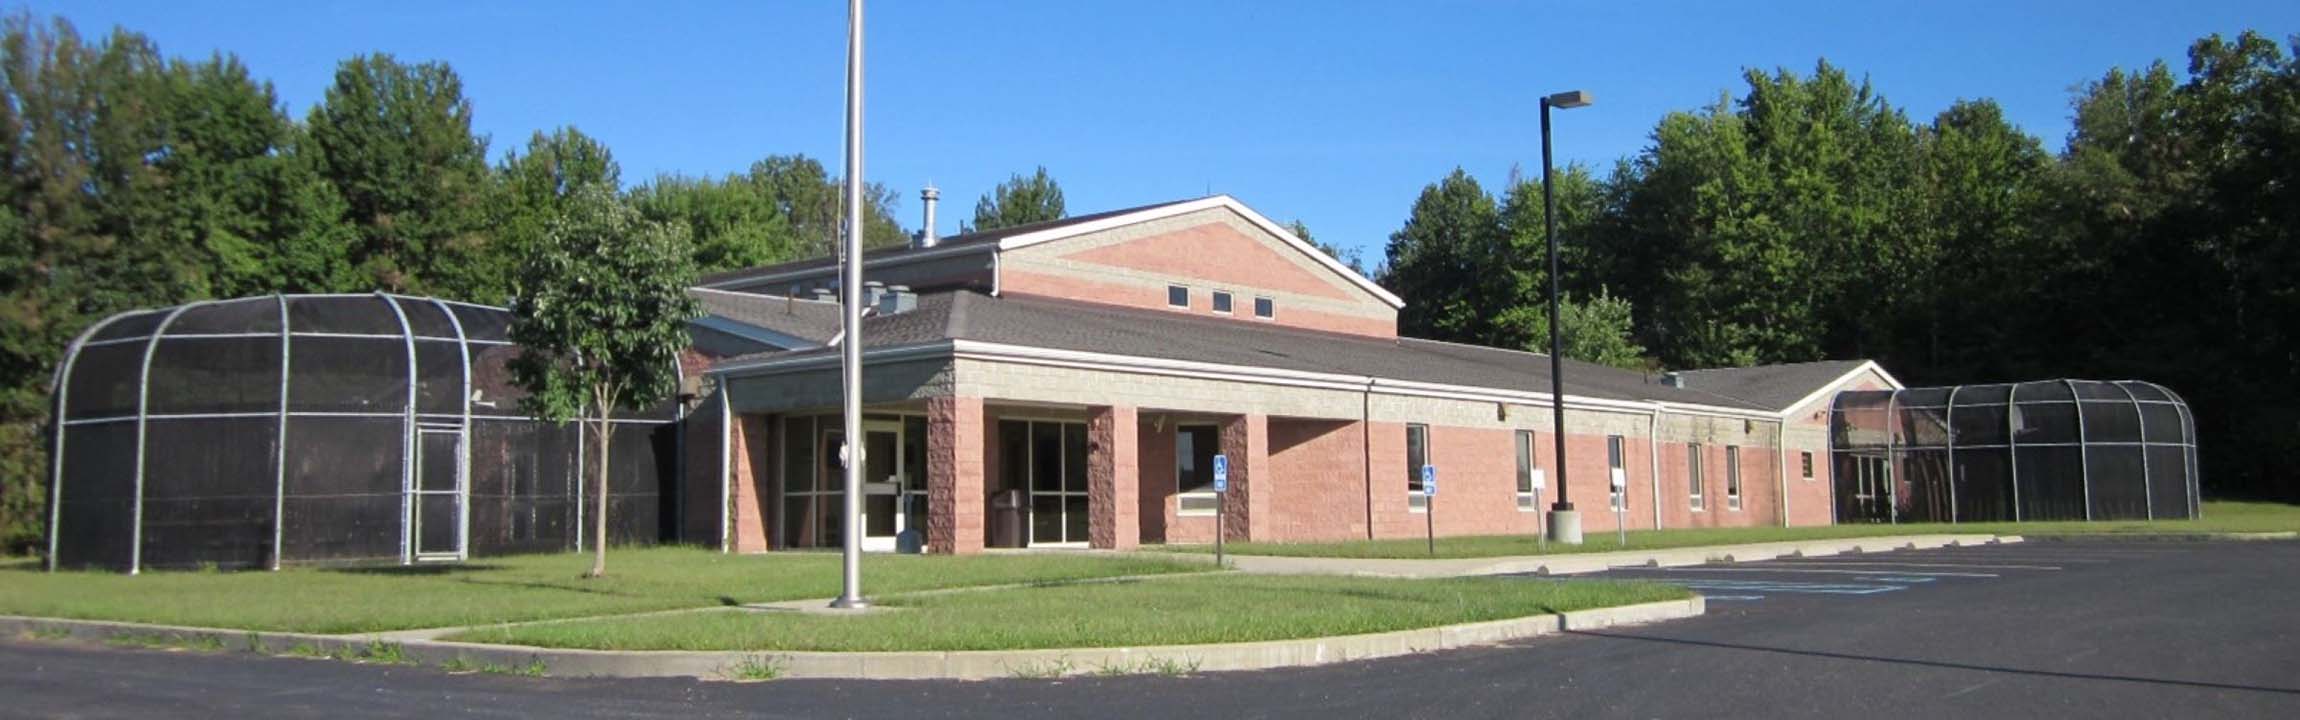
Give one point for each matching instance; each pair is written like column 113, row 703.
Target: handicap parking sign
column 1221, row 473
column 1429, row 479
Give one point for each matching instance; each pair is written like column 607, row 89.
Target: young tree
column 600, row 315
column 1019, row 201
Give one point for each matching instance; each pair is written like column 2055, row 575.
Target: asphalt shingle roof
column 812, row 320
column 978, row 238
column 1069, row 325
column 1769, row 386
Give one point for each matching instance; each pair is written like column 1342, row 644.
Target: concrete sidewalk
column 1589, row 562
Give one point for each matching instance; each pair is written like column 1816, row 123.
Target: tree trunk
column 599, row 542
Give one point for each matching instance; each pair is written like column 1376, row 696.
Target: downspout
column 1781, row 464
column 726, row 467
column 1366, row 445
column 1653, row 460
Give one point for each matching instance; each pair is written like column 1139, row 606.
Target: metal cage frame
column 414, row 420
column 1918, row 422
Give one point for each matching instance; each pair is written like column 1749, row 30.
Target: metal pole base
column 848, row 603
column 1565, row 527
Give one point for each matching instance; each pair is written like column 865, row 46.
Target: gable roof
column 1779, row 387
column 1080, row 329
column 1021, row 236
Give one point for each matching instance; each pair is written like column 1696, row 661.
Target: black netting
column 494, row 391
column 131, row 325
column 425, row 319
column 2089, row 390
column 636, row 509
column 522, row 486
column 1921, row 487
column 104, row 381
column 2119, row 490
column 483, row 323
column 702, row 505
column 1977, row 424
column 97, row 505
column 2045, row 422
column 334, row 374
column 251, row 315
column 2146, row 391
column 344, row 488
column 2051, row 482
column 2111, row 422
column 1984, row 485
column 209, row 489
column 215, row 375
column 2168, row 480
column 363, row 315
column 2163, row 423
column 439, row 377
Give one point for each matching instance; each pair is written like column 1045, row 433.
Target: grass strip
column 1172, row 611
column 517, row 588
column 2219, row 517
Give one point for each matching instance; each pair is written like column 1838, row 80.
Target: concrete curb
column 2170, row 536
column 963, row 665
column 1579, row 563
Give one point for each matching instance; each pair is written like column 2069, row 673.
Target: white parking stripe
column 1815, row 563
column 1816, row 572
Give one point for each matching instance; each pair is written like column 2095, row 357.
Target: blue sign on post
column 1429, row 479
column 1221, row 473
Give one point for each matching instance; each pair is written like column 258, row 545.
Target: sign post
column 1221, row 502
column 1429, row 504
column 1621, row 509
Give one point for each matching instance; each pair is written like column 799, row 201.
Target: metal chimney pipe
column 927, row 198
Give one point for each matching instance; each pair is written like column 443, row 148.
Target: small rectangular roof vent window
column 1265, row 308
column 1177, row 296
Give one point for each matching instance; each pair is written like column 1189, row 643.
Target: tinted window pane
column 1221, row 302
column 1178, row 296
column 1265, row 307
column 1074, row 457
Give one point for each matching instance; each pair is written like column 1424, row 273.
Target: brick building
column 1068, row 383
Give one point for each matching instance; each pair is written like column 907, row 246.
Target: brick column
column 1246, row 440
column 954, row 493
column 1113, row 478
column 750, row 497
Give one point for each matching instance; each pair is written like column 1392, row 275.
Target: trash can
column 1009, row 519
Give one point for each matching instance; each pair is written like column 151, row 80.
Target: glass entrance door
column 882, row 485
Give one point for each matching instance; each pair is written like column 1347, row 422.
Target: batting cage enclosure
column 2047, row 450
column 320, row 429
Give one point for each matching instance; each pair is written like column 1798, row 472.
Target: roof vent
column 1673, row 379
column 897, row 300
column 925, row 237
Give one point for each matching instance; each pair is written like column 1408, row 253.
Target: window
column 1807, row 459
column 1194, row 450
column 1177, row 296
column 1265, row 308
column 1048, row 461
column 1417, row 455
column 1525, row 501
column 1614, row 498
column 1732, row 478
column 1222, row 302
column 1693, row 476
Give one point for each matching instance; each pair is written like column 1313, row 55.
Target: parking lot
column 2058, row 629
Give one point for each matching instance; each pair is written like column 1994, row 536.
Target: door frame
column 413, row 526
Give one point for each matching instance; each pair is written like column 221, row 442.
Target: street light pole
column 1564, row 523
column 850, row 352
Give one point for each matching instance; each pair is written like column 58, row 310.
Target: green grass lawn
column 507, row 589
column 1169, row 611
column 2219, row 516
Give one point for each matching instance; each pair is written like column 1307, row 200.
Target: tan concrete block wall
column 1024, row 382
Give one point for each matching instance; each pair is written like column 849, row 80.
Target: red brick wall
column 956, row 437
column 1320, row 493
column 1159, row 524
column 1113, row 478
column 1068, row 287
column 752, row 491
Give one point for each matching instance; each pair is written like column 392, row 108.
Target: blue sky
column 1335, row 113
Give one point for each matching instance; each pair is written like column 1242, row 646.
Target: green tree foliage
column 600, row 314
column 133, row 180
column 395, row 141
column 733, row 223
column 1350, row 258
column 531, row 189
column 1019, row 201
column 809, row 200
column 1476, row 271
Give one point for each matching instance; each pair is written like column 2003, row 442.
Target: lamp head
column 1569, row 99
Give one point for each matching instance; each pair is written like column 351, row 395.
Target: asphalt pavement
column 2088, row 629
